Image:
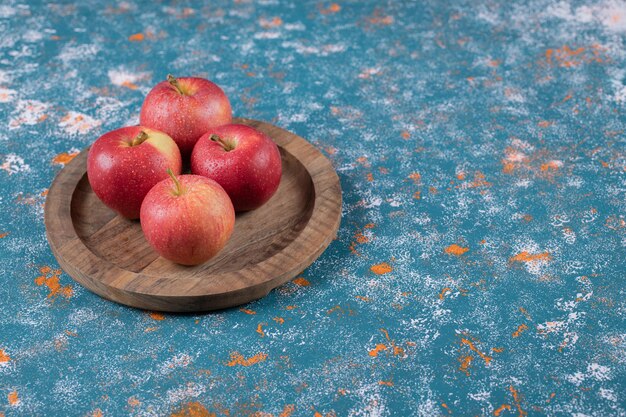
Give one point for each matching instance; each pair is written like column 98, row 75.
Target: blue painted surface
column 479, row 268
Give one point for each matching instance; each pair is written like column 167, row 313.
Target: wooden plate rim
column 67, row 245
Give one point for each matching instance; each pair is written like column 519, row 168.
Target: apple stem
column 174, row 83
column 176, row 182
column 226, row 146
column 139, row 139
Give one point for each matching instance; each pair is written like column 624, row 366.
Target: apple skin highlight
column 185, row 108
column 187, row 219
column 243, row 160
column 124, row 164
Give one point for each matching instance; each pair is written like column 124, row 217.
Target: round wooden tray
column 270, row 245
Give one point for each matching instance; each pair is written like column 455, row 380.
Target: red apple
column 241, row 159
column 185, row 108
column 187, row 219
column 124, row 164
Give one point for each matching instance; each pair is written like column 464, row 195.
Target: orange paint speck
column 157, row 316
column 361, row 238
column 247, row 311
column 279, row 320
column 362, row 298
column 52, row 283
column 397, row 350
column 4, row 357
column 370, row 177
column 525, row 313
column 473, row 348
column 567, row 57
column 527, row 257
column 520, row 329
column 13, row 398
column 335, row 308
column 301, row 281
column 551, row 166
column 97, row 413
column 500, row 409
column 129, row 85
column 443, row 292
column 137, row 37
column 237, row 358
column 455, row 250
column 381, row 268
column 333, row 8
column 405, row 134
column 377, row 19
column 386, row 383
column 479, row 181
column 288, row 410
column 516, row 397
column 291, row 307
column 507, row 167
column 133, row 402
column 3, row 235
column 60, row 344
column 193, row 409
column 379, row 348
column 63, row 158
column 466, row 361
column 259, row 329
column 416, row 177
column 274, row 22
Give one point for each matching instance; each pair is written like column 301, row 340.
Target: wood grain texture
column 270, row 245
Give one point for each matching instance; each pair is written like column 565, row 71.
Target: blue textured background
column 479, row 268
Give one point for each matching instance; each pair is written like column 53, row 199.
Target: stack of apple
column 136, row 170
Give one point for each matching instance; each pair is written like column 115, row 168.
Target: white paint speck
column 78, row 123
column 607, row 394
column 14, row 164
column 123, row 77
column 7, row 95
column 28, row 112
